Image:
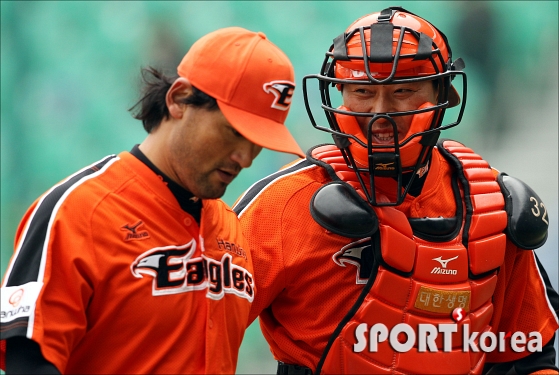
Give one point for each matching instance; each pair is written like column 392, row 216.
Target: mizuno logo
column 384, row 166
column 133, row 233
column 283, row 91
column 444, row 264
column 445, row 261
column 442, row 271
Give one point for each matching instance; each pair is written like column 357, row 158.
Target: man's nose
column 245, row 153
column 381, row 104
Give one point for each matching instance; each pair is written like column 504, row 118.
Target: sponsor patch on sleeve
column 18, row 301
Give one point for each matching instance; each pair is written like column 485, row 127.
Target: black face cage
column 381, row 51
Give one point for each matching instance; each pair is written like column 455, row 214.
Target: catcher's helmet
column 393, row 46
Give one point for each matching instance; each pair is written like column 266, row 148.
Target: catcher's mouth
column 386, row 137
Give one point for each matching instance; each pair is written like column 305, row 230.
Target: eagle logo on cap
column 283, row 91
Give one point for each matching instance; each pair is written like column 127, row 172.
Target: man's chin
column 216, row 190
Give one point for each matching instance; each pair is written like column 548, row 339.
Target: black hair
column 151, row 109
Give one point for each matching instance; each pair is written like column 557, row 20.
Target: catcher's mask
column 393, row 46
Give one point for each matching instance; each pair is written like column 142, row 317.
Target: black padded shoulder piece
column 527, row 216
column 338, row 208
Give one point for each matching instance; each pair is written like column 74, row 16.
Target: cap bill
column 261, row 130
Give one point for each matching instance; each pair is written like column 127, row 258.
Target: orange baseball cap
column 252, row 81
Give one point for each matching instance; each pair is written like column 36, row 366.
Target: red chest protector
column 420, row 280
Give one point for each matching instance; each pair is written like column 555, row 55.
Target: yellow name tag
column 442, row 301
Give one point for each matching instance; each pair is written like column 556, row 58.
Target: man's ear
column 179, row 90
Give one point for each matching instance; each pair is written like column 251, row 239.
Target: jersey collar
column 187, row 201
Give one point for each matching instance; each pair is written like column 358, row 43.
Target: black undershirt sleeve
column 23, row 356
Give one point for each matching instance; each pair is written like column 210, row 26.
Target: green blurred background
column 70, row 70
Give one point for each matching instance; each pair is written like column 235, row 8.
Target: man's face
column 387, row 98
column 206, row 153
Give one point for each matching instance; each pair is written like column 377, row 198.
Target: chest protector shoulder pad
column 526, row 214
column 337, row 207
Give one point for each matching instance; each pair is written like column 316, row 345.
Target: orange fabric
column 303, row 293
column 108, row 306
column 528, row 310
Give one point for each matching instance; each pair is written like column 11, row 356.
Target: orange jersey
column 110, row 275
column 304, row 291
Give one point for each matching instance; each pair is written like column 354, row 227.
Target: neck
column 155, row 148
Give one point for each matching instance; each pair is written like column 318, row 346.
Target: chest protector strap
column 416, row 281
